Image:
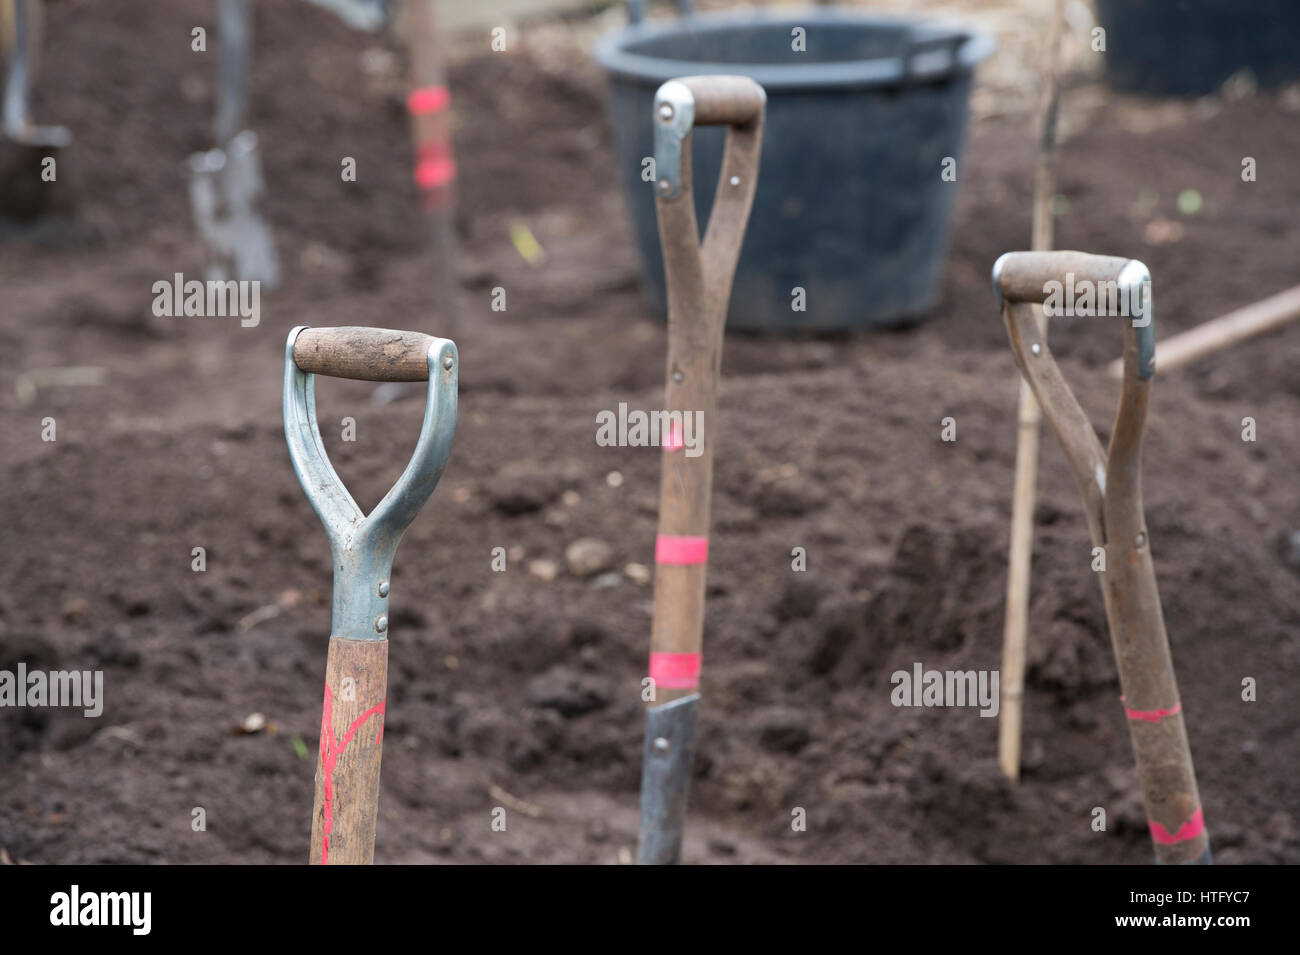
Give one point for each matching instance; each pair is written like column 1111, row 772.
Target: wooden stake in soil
column 699, row 277
column 1016, row 628
column 1110, row 481
column 356, row 671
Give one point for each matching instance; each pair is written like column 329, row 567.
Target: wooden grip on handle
column 364, row 354
column 725, row 100
column 1023, row 275
column 347, row 769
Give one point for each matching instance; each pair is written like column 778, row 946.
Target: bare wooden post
column 1025, row 491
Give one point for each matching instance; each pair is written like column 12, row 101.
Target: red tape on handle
column 1152, row 716
column 673, row 440
column 1189, row 830
column 681, row 550
column 675, row 671
column 432, row 173
column 427, row 99
column 434, row 167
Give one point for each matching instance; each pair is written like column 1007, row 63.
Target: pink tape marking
column 434, row 165
column 330, row 751
column 673, row 440
column 681, row 550
column 428, row 99
column 432, row 173
column 1189, row 830
column 675, row 671
column 1152, row 716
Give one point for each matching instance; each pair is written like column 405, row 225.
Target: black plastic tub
column 852, row 205
column 1189, row 47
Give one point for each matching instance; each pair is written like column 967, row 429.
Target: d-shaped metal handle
column 1108, row 479
column 699, row 273
column 363, row 545
column 690, row 101
column 1035, row 277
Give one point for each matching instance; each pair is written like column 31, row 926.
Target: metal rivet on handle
column 448, row 362
column 1035, row 349
column 662, row 746
column 381, row 623
column 664, row 186
column 1141, row 540
column 735, row 180
column 383, row 588
column 665, row 111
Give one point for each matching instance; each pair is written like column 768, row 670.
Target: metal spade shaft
column 356, row 672
column 235, row 54
column 21, row 33
column 35, row 194
column 226, row 182
column 699, row 276
column 1110, row 481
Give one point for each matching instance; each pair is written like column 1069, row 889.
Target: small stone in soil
column 588, row 556
column 546, row 570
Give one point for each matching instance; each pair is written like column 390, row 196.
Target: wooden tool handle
column 1152, row 705
column 1023, row 276
column 347, row 769
column 364, row 354
column 699, row 278
column 725, row 100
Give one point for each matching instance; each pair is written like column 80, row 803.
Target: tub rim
column 976, row 45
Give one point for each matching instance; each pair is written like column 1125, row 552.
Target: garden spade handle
column 699, row 277
column 1110, row 482
column 356, row 673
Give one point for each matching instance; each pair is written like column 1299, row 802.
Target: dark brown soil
column 505, row 682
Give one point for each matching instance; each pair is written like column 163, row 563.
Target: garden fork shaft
column 356, row 674
column 699, row 277
column 1110, row 482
